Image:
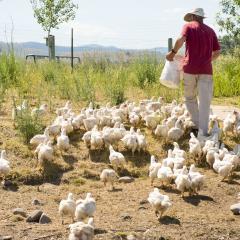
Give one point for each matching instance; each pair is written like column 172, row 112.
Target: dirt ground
column 120, row 212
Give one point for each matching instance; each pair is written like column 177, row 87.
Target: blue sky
column 122, row 23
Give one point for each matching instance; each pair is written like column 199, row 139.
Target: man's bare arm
column 215, row 55
column 178, row 44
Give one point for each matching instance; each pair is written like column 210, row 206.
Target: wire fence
column 93, row 51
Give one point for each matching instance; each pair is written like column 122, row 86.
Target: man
column 202, row 47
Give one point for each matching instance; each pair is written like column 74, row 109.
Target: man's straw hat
column 198, row 12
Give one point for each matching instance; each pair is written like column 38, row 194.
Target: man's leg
column 190, row 94
column 205, row 91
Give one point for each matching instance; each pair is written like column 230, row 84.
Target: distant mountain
column 41, row 48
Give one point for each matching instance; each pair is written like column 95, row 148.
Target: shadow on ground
column 195, row 200
column 166, row 220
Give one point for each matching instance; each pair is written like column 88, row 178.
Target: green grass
column 103, row 81
column 227, row 77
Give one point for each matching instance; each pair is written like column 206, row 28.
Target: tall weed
column 115, row 84
column 146, row 70
column 227, row 77
column 27, row 125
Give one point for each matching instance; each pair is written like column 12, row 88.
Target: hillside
column 25, row 48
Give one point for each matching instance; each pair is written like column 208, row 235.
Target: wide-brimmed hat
column 198, row 12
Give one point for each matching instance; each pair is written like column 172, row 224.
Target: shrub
column 49, row 72
column 27, row 125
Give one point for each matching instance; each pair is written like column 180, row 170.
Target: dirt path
column 206, row 216
column 223, row 111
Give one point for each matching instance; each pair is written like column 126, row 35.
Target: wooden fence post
column 170, row 44
column 72, row 49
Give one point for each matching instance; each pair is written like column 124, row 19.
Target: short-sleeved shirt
column 201, row 41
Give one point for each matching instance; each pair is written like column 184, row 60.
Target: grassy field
column 101, row 81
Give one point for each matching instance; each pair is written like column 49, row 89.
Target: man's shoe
column 195, row 132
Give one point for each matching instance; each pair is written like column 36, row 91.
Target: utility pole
column 170, row 44
column 72, row 49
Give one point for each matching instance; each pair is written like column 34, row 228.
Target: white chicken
column 134, row 119
column 90, row 109
column 39, row 112
column 40, row 138
column 183, row 182
column 85, row 207
column 165, row 174
column 169, row 161
column 67, row 207
column 155, row 105
column 87, row 138
column 177, row 152
column 171, row 121
column 141, row 141
column 119, row 115
column 179, row 162
column 152, row 120
column 67, row 125
column 44, row 152
column 90, row 122
column 233, row 159
column 153, row 168
column 207, row 146
column 105, row 120
column 118, row 132
column 4, row 165
column 63, row 141
column 82, row 231
column 109, row 136
column 116, row 158
column 176, row 132
column 97, row 141
column 177, row 171
column 130, row 140
column 54, row 130
column 63, row 110
column 178, row 110
column 77, row 121
column 109, row 176
column 223, row 168
column 162, row 130
column 228, row 123
column 159, row 202
column 195, row 146
column 223, row 151
column 196, row 178
column 215, row 131
column 210, row 156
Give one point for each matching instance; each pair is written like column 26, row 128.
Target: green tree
column 51, row 13
column 229, row 21
column 229, row 44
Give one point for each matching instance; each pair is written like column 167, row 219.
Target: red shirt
column 201, row 41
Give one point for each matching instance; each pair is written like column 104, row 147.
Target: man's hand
column 170, row 56
column 215, row 55
column 179, row 43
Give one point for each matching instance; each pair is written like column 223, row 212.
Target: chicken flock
column 106, row 127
